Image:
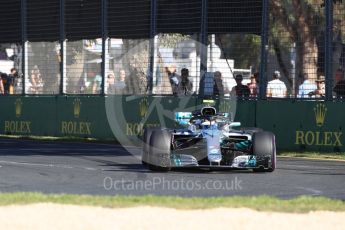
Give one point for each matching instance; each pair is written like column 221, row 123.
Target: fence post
column 203, row 38
column 62, row 48
column 24, row 44
column 264, row 50
column 153, row 31
column 328, row 49
column 105, row 41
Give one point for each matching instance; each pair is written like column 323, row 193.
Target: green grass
column 261, row 203
column 315, row 155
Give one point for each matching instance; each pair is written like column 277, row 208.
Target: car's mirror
column 235, row 124
column 223, row 114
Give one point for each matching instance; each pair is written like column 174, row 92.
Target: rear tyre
column 264, row 148
column 160, row 151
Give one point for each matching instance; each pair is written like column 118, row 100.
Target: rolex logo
column 18, row 107
column 224, row 106
column 320, row 114
column 143, row 107
column 76, row 109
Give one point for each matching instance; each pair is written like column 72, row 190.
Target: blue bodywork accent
column 182, row 118
column 252, row 161
column 243, row 145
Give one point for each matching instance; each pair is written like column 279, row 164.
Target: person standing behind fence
column 306, row 87
column 36, row 80
column 276, row 87
column 121, row 83
column 174, row 79
column 2, row 90
column 185, row 86
column 240, row 90
column 12, row 80
column 253, row 86
column 219, row 89
column 320, row 90
column 339, row 87
column 110, row 83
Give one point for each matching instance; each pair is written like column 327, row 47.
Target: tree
column 244, row 49
column 301, row 22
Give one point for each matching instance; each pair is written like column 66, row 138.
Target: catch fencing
column 139, row 47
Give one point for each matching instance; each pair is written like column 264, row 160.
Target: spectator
column 185, row 86
column 12, row 80
column 218, row 88
column 121, row 86
column 306, row 87
column 163, row 85
column 97, row 84
column 174, row 79
column 339, row 87
column 36, row 80
column 320, row 91
column 257, row 78
column 93, row 83
column 253, row 86
column 111, row 83
column 2, row 90
column 339, row 75
column 240, row 90
column 276, row 87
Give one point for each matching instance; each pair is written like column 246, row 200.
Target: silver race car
column 207, row 139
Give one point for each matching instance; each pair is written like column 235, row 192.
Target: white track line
column 46, row 165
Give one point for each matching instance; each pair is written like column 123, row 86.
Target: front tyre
column 160, row 151
column 264, row 148
column 146, row 145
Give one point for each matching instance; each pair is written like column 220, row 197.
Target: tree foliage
column 302, row 22
column 244, row 49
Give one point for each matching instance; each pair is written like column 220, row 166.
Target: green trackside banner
column 301, row 125
column 28, row 116
column 120, row 118
column 304, row 125
column 82, row 117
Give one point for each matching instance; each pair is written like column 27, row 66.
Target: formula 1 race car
column 207, row 139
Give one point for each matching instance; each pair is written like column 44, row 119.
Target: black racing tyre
column 146, row 144
column 160, row 151
column 264, row 148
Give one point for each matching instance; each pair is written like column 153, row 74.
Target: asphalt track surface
column 108, row 169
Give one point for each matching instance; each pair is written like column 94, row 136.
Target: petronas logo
column 224, row 106
column 143, row 107
column 77, row 106
column 18, row 106
column 320, row 111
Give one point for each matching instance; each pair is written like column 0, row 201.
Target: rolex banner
column 82, row 117
column 304, row 125
column 298, row 126
column 25, row 116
